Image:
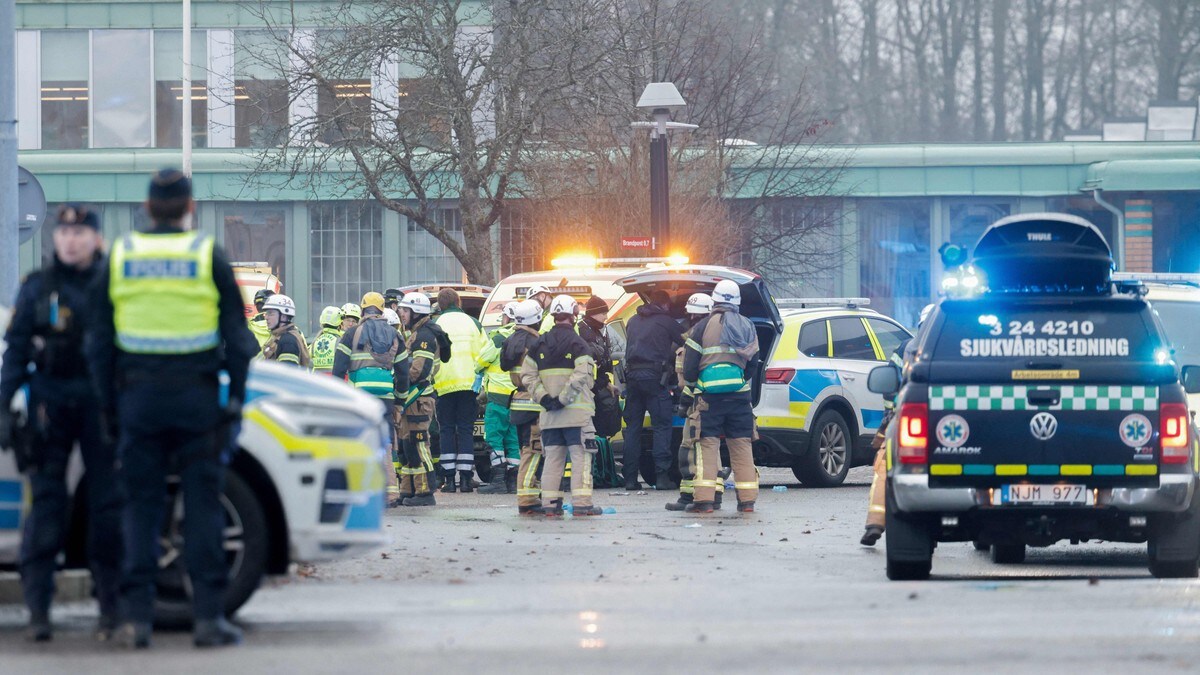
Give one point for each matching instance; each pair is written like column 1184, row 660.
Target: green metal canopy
column 1143, row 175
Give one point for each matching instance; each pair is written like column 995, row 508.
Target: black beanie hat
column 170, row 184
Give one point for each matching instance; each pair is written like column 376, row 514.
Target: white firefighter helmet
column 528, row 313
column 352, row 311
column 564, row 304
column 699, row 303
column 417, row 302
column 510, row 309
column 391, row 316
column 281, row 303
column 331, row 316
column 535, row 291
column 727, row 292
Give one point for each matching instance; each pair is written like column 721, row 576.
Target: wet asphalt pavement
column 470, row 586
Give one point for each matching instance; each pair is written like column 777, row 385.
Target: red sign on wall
column 642, row 243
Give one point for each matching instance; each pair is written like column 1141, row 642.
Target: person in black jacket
column 167, row 318
column 46, row 332
column 653, row 336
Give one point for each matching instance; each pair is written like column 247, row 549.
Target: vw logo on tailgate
column 1043, row 425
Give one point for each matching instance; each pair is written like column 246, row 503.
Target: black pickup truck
column 1043, row 406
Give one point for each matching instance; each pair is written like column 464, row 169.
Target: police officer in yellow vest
column 718, row 354
column 373, row 358
column 428, row 345
column 457, row 408
column 167, row 319
column 286, row 344
column 324, row 346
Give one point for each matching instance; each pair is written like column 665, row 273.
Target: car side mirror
column 885, row 379
column 1191, row 379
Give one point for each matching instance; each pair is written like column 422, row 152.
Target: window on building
column 64, row 89
column 420, row 118
column 168, row 89
column 260, row 90
column 850, row 340
column 524, row 250
column 969, row 220
column 344, row 107
column 257, row 234
column 347, row 252
column 121, row 77
column 428, row 259
column 894, row 256
column 814, row 339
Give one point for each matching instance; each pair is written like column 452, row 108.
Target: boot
column 448, row 484
column 529, row 509
column 40, row 629
column 681, row 504
column 421, row 500
column 872, row 535
column 216, row 633
column 588, row 511
column 632, row 485
column 106, row 628
column 699, row 507
column 498, row 484
column 717, row 500
column 554, row 510
column 664, row 482
column 134, row 635
column 745, row 507
column 510, row 480
column 465, row 482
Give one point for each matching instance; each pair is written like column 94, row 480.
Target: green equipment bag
column 604, row 467
column 722, row 378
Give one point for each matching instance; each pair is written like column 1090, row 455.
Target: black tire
column 1174, row 569
column 830, row 450
column 1173, row 545
column 980, row 546
column 1008, row 554
column 246, row 547
column 908, row 544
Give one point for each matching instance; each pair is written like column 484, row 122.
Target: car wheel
column 1008, row 554
column 908, row 544
column 828, row 458
column 246, row 540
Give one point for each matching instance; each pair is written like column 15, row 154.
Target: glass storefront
column 894, row 256
column 257, row 233
column 428, row 259
column 346, row 240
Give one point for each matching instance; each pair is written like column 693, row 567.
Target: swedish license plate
column 1046, row 494
column 479, row 428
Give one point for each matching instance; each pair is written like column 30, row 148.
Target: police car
column 1043, row 406
column 1176, row 300
column 816, row 414
column 307, row 486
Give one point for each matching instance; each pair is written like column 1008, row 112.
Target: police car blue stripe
column 10, row 491
column 872, row 418
column 369, row 516
column 10, row 519
column 806, row 385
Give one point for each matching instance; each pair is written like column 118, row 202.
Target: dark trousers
column 173, row 429
column 456, row 413
column 645, row 393
column 62, row 424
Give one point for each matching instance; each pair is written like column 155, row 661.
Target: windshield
column 1046, row 331
column 1179, row 320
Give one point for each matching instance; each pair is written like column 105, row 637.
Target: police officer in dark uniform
column 47, row 333
column 167, row 319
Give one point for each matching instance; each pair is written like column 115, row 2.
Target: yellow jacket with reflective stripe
column 323, row 349
column 163, row 295
column 466, row 342
column 499, row 381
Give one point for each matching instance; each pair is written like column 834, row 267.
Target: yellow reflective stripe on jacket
column 149, row 272
column 288, row 358
column 345, row 350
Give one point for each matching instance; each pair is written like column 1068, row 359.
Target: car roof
column 808, row 313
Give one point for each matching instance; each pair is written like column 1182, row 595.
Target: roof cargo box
column 1044, row 253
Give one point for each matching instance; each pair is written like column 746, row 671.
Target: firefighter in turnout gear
column 558, row 373
column 324, row 346
column 498, row 430
column 351, row 315
column 718, row 353
column 524, row 411
column 375, row 360
column 698, row 308
column 167, row 318
column 47, row 334
column 427, row 344
column 286, row 344
column 877, row 497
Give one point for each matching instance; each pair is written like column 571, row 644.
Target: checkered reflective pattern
column 1013, row 397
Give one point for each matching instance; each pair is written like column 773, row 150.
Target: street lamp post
column 660, row 98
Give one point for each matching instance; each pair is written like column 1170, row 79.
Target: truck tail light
column 779, row 375
column 1173, row 432
column 914, row 433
